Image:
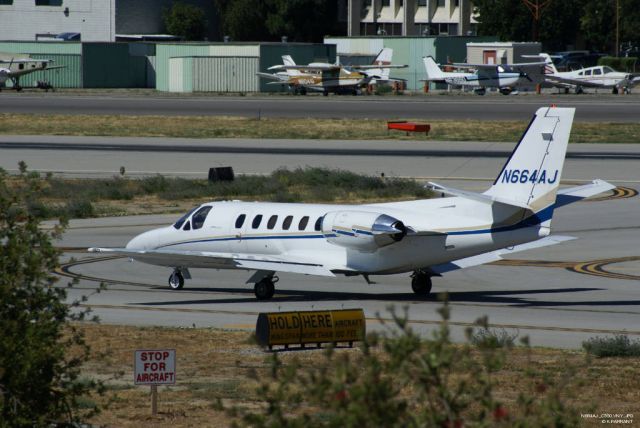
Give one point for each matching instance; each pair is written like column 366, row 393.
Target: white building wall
column 93, row 19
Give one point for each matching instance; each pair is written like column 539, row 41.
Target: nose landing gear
column 421, row 283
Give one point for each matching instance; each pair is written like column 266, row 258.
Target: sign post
column 154, row 367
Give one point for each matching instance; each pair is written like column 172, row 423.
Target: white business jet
column 426, row 237
column 503, row 77
column 599, row 76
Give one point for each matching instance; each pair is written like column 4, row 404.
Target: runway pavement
column 103, row 157
column 557, row 295
column 591, row 107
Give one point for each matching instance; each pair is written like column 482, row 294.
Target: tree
column 40, row 352
column 299, row 20
column 186, row 21
column 598, row 25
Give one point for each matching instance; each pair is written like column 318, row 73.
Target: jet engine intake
column 361, row 230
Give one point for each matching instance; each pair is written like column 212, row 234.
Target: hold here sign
column 155, row 367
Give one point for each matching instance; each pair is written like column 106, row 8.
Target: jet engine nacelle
column 361, row 230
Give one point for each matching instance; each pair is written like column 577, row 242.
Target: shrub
column 616, row 346
column 400, row 378
column 40, row 352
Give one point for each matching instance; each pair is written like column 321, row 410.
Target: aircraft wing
column 328, row 67
column 374, row 66
column 211, row 260
column 31, row 70
column 273, row 76
column 494, row 256
column 493, row 66
column 23, row 61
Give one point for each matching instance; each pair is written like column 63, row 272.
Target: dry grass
column 308, row 128
column 216, row 364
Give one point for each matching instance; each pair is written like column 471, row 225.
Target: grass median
column 304, row 128
column 85, row 198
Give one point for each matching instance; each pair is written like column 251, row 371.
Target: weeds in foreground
column 400, row 378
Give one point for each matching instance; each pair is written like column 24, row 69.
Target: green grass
column 74, row 198
column 303, row 128
column 616, row 346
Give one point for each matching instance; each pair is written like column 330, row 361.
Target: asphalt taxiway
column 559, row 296
column 601, row 107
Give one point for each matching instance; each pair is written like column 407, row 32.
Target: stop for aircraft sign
column 155, row 367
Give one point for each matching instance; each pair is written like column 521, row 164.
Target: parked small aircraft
column 17, row 68
column 324, row 77
column 600, row 76
column 504, row 77
column 426, row 237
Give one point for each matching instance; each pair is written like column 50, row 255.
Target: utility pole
column 536, row 7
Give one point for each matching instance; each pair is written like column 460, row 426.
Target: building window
column 453, row 29
column 48, row 2
column 440, row 3
column 6, row 2
column 386, row 3
column 422, row 3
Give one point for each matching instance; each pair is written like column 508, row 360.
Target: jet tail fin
column 532, row 173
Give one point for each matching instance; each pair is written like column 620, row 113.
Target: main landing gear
column 265, row 288
column 421, row 283
column 176, row 280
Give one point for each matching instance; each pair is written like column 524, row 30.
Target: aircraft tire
column 579, row 90
column 264, row 289
column 421, row 284
column 176, row 280
column 303, row 91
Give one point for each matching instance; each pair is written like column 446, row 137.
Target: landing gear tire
column 325, row 93
column 303, row 91
column 421, row 284
column 505, row 91
column 176, row 280
column 579, row 90
column 264, row 289
column 480, row 91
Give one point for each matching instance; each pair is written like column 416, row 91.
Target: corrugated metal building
column 406, row 50
column 228, row 67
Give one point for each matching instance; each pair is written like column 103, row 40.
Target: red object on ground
column 409, row 127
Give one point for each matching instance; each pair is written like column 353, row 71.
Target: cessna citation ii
column 426, row 237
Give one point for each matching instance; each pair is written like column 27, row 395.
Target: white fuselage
column 599, row 76
column 498, row 80
column 485, row 229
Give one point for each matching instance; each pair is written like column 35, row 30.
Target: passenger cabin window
column 597, row 72
column 587, row 72
column 318, row 226
column 581, row 73
column 199, row 217
column 240, row 220
column 256, row 221
column 178, row 224
column 303, row 223
column 272, row 222
column 286, row 224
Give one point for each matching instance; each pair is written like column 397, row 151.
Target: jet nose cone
column 144, row 241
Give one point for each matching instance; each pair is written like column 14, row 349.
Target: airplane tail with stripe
column 531, row 176
column 287, row 60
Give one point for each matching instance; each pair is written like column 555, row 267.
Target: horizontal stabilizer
column 575, row 194
column 478, row 197
column 494, row 256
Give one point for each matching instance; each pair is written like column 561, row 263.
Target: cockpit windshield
column 178, row 224
column 200, row 216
